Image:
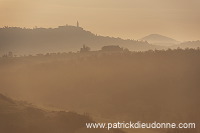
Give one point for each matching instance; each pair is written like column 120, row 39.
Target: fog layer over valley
column 144, row 86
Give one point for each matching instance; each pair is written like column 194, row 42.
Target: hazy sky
column 179, row 19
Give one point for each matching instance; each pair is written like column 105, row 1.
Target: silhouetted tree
column 85, row 49
column 10, row 54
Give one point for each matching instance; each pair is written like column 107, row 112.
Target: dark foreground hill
column 61, row 39
column 21, row 117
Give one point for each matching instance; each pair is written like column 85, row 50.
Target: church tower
column 77, row 24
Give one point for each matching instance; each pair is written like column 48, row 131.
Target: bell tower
column 77, row 24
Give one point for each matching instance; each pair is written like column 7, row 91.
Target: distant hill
column 189, row 44
column 62, row 39
column 161, row 40
column 21, row 117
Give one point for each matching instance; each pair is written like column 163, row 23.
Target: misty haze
column 64, row 64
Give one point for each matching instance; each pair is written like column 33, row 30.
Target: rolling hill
column 188, row 44
column 161, row 40
column 21, row 117
column 61, row 39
